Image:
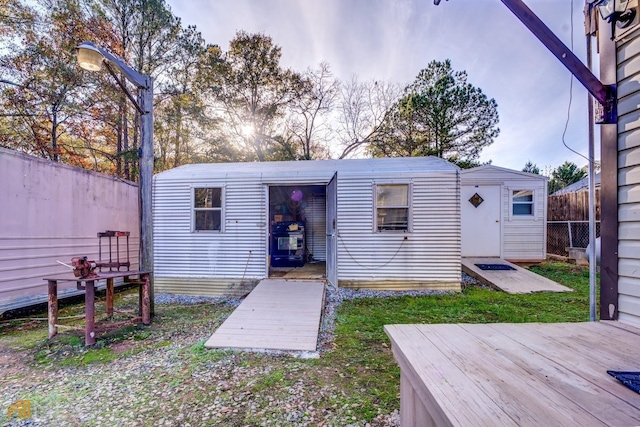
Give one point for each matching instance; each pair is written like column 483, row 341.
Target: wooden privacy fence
column 571, row 206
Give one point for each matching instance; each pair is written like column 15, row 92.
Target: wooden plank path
column 518, row 281
column 277, row 315
column 516, row 374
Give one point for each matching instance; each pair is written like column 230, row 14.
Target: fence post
column 570, row 236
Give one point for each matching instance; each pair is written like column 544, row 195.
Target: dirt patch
column 122, row 346
column 14, row 364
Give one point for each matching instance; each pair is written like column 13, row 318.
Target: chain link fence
column 568, row 234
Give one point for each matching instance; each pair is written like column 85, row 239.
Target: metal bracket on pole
column 607, row 113
column 123, row 87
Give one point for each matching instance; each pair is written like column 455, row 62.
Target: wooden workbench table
column 528, row 374
column 89, row 287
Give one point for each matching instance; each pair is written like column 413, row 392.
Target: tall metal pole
column 592, row 194
column 146, row 183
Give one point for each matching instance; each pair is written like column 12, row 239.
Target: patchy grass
column 357, row 379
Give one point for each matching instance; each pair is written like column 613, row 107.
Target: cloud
column 394, row 40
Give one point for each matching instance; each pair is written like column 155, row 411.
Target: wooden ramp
column 277, row 315
column 518, row 281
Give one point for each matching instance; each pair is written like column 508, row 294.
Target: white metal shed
column 375, row 223
column 503, row 213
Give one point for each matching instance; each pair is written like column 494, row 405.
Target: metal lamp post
column 92, row 58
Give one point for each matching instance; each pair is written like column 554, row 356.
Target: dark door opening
column 297, row 231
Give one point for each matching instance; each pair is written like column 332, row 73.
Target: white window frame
column 193, row 209
column 409, row 206
column 512, row 203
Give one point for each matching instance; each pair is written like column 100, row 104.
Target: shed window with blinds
column 392, row 207
column 522, row 202
column 207, row 209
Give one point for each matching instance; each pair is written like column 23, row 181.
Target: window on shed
column 207, row 209
column 522, row 202
column 392, row 207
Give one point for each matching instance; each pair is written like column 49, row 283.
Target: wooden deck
column 518, row 281
column 277, row 315
column 516, row 374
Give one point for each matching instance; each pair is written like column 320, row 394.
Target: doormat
column 630, row 379
column 494, row 267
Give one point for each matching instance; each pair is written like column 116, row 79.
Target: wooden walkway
column 516, row 374
column 518, row 281
column 277, row 315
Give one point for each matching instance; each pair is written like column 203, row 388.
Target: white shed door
column 480, row 220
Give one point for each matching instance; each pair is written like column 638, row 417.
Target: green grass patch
column 92, row 355
column 268, row 381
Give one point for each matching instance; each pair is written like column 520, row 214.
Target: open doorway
column 297, row 231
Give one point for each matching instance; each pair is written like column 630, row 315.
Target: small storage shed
column 503, row 214
column 366, row 223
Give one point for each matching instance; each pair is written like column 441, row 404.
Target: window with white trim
column 522, row 203
column 392, row 207
column 207, row 209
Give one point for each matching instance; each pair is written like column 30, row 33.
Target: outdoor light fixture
column 92, row 58
column 89, row 57
column 617, row 12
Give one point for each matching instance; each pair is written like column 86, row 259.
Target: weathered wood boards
column 276, row 315
column 518, row 281
column 515, row 374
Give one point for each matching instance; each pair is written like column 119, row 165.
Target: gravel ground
column 228, row 390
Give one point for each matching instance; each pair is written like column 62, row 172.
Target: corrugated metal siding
column 317, row 227
column 207, row 263
column 401, row 285
column 430, row 253
column 53, row 212
column 203, row 286
column 629, row 178
column 523, row 238
column 236, row 252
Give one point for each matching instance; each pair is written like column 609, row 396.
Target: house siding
column 232, row 261
column 628, row 76
column 523, row 238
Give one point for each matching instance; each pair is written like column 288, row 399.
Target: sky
column 393, row 40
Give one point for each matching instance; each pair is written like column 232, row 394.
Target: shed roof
column 493, row 168
column 312, row 167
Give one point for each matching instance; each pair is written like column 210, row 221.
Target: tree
column 531, row 168
column 307, row 128
column 180, row 110
column 252, row 91
column 440, row 114
column 42, row 104
column 362, row 109
column 145, row 34
column 565, row 174
column 15, row 17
